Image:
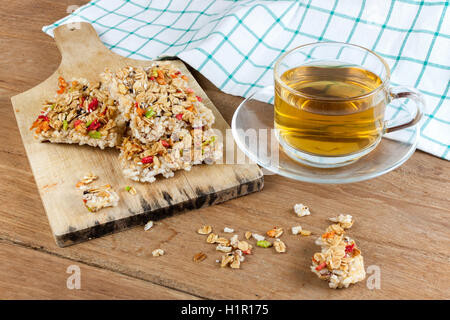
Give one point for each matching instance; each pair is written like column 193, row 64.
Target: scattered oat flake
column 248, row 235
column 199, row 257
column 226, row 259
column 205, row 230
column 344, row 220
column 279, row 246
column 258, row 237
column 234, row 241
column 243, row 245
column 296, row 229
column 82, row 184
column 148, row 225
column 305, row 233
column 222, row 248
column 336, row 228
column 275, row 232
column 301, row 210
column 223, row 241
column 239, row 255
column 158, row 252
column 236, row 263
column 228, row 230
column 212, row 238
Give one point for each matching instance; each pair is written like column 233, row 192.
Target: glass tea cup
column 330, row 102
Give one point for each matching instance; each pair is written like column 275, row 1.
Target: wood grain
column 58, row 167
column 44, row 276
column 401, row 218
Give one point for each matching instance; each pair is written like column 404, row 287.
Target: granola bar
column 97, row 198
column 182, row 150
column 340, row 261
column 156, row 100
column 82, row 113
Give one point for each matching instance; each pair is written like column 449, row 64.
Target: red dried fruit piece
column 199, row 98
column 165, row 144
column 179, row 116
column 42, row 117
column 349, row 248
column 77, row 123
column 93, row 105
column 146, row 160
column 94, row 125
column 321, row 266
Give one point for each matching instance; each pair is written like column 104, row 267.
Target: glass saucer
column 253, row 121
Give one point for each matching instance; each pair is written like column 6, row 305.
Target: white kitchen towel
column 235, row 43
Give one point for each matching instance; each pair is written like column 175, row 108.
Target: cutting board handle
column 78, row 42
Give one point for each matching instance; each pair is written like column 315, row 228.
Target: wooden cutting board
column 58, row 167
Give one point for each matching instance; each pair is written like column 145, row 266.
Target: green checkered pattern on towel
column 235, row 43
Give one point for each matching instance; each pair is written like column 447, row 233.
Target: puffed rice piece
column 296, row 230
column 148, row 225
column 158, row 252
column 228, row 230
column 234, row 241
column 258, row 237
column 301, row 210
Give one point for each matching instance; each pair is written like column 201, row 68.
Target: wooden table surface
column 402, row 218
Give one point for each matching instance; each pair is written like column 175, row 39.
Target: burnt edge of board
column 203, row 200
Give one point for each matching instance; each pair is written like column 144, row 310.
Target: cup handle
column 405, row 93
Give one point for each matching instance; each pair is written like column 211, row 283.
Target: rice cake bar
column 97, row 198
column 82, row 113
column 128, row 82
column 157, row 101
column 340, row 261
column 181, row 150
